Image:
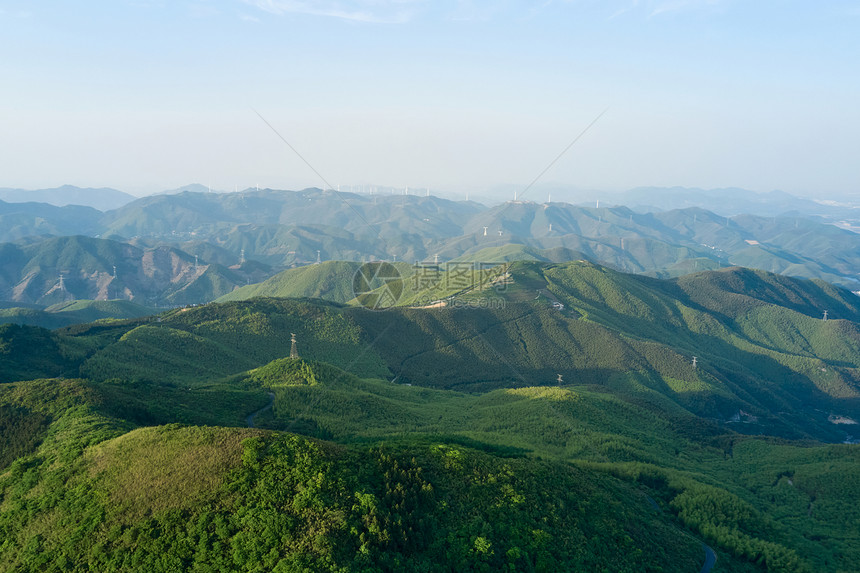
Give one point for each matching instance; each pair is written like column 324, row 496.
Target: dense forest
column 565, row 428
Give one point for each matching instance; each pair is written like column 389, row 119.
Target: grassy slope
column 75, row 312
column 766, row 492
column 331, row 280
column 99, row 494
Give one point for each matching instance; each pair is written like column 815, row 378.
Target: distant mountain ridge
column 285, row 229
column 103, row 198
column 726, row 201
column 193, row 188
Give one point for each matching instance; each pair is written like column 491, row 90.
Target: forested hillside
column 533, row 415
column 202, row 498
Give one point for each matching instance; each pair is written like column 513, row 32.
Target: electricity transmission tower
column 294, row 353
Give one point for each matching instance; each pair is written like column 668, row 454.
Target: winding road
column 250, row 419
column 710, row 559
column 710, row 556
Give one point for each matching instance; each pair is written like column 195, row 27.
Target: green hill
column 193, row 345
column 762, row 355
column 74, row 312
column 540, row 416
column 759, row 349
column 330, row 280
column 762, row 490
column 92, row 310
column 516, row 252
column 130, row 498
column 31, row 352
column 166, row 497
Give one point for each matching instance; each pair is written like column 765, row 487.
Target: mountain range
column 284, row 229
column 712, row 406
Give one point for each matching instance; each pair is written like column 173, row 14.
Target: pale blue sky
column 147, row 95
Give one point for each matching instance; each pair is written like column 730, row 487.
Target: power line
column 571, row 144
column 306, row 162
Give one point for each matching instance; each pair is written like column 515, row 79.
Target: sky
column 451, row 95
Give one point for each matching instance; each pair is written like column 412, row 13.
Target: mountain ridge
column 102, row 198
column 288, row 228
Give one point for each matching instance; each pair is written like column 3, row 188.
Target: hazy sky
column 148, row 95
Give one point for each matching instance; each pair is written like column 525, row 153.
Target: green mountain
column 103, row 269
column 32, row 352
column 760, row 346
column 770, row 356
column 756, row 496
column 329, row 280
column 520, row 403
column 657, row 243
column 541, row 416
column 74, row 312
column 172, row 497
column 292, row 245
column 517, row 252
